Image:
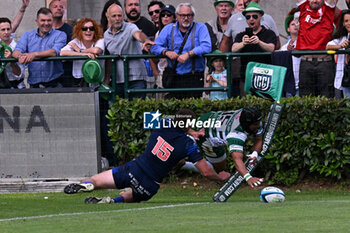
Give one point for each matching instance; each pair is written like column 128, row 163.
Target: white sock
column 191, row 167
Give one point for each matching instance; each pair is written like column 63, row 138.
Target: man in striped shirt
column 231, row 136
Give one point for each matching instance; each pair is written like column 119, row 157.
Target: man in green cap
column 237, row 24
column 291, row 25
column 218, row 25
column 256, row 38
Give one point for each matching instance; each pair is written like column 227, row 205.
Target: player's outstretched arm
column 208, row 172
column 256, row 149
column 238, row 160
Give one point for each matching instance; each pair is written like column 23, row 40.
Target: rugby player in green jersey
column 230, row 137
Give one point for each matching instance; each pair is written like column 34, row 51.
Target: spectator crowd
column 240, row 26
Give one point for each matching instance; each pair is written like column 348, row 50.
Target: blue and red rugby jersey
column 165, row 148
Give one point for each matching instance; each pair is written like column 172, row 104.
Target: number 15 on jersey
column 162, row 149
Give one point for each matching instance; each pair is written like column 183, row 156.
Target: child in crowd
column 216, row 78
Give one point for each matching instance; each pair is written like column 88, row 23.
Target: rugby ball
column 272, row 194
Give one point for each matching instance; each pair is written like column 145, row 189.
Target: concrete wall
column 49, row 135
column 9, row 8
column 93, row 8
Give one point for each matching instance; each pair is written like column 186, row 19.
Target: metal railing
column 228, row 58
column 126, row 58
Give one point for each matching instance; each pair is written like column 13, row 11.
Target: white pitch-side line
column 99, row 212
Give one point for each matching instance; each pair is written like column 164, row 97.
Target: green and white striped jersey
column 230, row 131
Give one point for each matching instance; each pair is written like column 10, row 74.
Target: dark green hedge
column 313, row 136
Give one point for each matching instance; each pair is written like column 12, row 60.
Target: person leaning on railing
column 58, row 9
column 42, row 42
column 341, row 42
column 124, row 38
column 88, row 41
column 190, row 63
column 12, row 74
column 167, row 16
column 316, row 75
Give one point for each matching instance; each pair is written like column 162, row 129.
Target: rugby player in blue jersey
column 143, row 175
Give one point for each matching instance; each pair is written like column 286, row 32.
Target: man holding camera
column 256, row 38
column 236, row 24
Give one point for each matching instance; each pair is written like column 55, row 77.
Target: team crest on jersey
column 262, row 78
column 152, row 120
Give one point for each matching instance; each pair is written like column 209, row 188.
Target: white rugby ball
column 272, row 194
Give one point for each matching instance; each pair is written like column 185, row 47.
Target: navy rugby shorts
column 130, row 175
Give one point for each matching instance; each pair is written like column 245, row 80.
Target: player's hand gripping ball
column 272, row 194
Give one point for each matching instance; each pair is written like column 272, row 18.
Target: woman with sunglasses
column 166, row 16
column 87, row 41
column 341, row 42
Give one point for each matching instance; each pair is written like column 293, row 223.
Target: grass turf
column 177, row 209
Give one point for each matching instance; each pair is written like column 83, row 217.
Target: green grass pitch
column 177, row 208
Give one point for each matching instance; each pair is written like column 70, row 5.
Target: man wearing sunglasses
column 256, row 38
column 154, row 8
column 237, row 24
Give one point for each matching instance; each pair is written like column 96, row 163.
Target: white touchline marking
column 99, row 212
column 154, row 207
